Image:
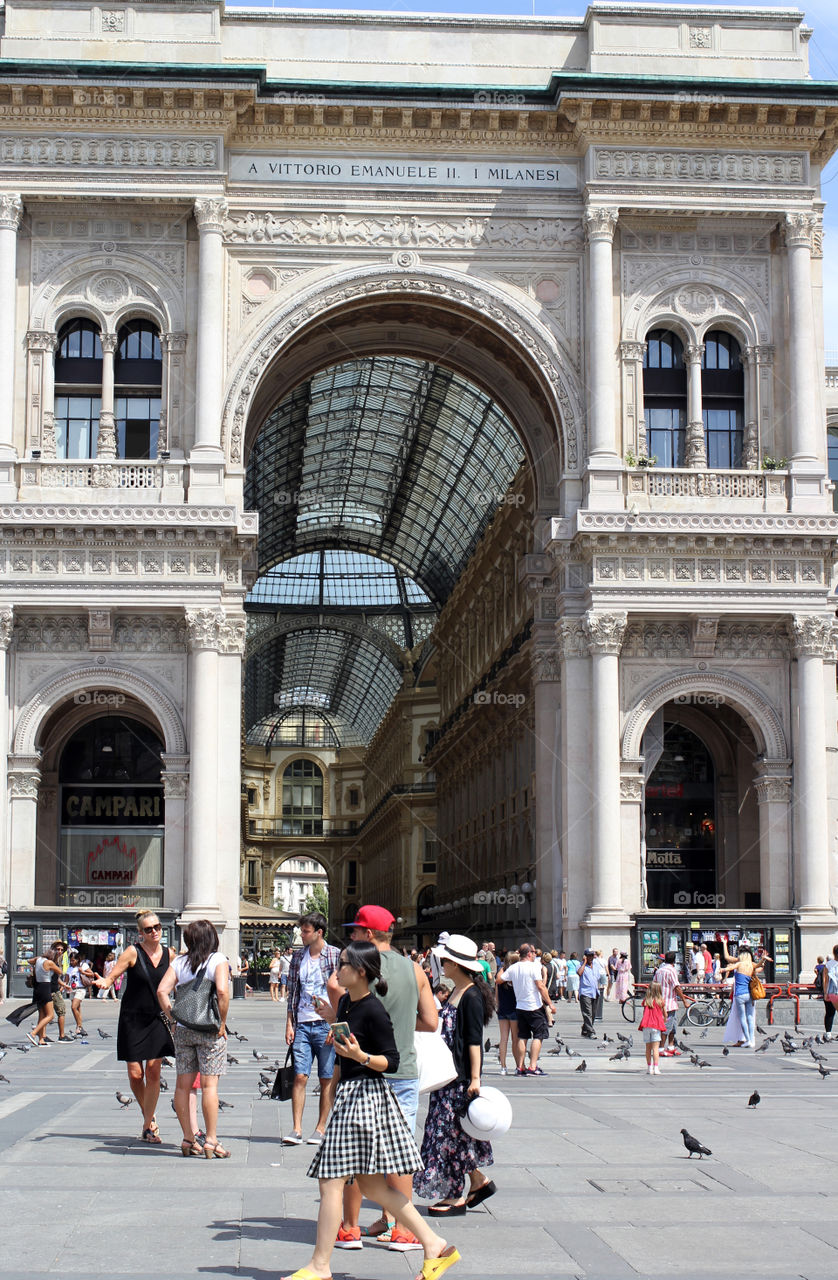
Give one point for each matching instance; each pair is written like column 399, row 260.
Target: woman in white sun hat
column 448, row 1152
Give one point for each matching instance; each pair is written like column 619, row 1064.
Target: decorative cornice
column 604, row 632
column 11, row 211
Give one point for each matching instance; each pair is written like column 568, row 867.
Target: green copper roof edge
column 559, row 82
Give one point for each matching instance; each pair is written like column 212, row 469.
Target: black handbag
column 283, row 1085
column 195, row 1004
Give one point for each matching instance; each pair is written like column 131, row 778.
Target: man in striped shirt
column 667, row 975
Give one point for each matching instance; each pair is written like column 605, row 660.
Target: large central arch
column 471, row 327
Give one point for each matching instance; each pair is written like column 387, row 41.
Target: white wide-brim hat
column 461, row 950
column 489, row 1115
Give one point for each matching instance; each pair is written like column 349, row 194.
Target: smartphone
column 341, row 1032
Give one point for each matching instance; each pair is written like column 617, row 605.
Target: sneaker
column 292, row 1139
column 674, row 1053
column 656, row 1071
column 521, row 1071
column 503, row 1071
column 403, row 1241
column 348, row 1238
column 66, row 1039
column 665, row 1053
column 535, row 1071
column 315, row 1139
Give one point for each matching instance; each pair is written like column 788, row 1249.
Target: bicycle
column 705, row 1010
column 630, row 1005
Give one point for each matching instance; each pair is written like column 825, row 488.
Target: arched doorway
column 681, row 823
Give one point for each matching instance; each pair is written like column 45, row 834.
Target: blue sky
column 821, row 15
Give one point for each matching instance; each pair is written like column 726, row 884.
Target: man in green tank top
column 410, row 1003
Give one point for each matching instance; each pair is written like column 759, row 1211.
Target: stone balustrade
column 683, row 488
column 160, row 481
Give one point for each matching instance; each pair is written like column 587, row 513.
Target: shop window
column 665, row 397
column 681, row 824
column 722, row 400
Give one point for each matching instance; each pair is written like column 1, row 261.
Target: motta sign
column 383, row 171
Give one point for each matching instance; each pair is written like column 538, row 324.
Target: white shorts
column 78, row 993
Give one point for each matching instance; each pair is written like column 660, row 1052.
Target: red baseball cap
column 377, row 918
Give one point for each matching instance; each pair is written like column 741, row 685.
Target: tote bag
column 283, row 1085
column 195, row 1004
column 434, row 1061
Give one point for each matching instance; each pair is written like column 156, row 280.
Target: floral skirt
column 448, row 1153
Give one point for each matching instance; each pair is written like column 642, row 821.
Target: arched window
column 832, row 456
column 665, row 397
column 680, row 822
column 78, row 389
column 723, row 399
column 138, row 377
column 302, row 799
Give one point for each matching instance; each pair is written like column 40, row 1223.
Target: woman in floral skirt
column 448, row 1153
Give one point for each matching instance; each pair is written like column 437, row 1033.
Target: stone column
column 228, row 757
column 632, row 354
column 106, row 442
column 201, row 874
column 604, row 634
column 750, row 442
column 40, row 393
column 171, row 393
column 806, row 426
column 6, row 632
column 773, row 787
column 210, row 215
column 24, row 778
column 11, row 212
column 547, row 699
column 600, row 225
column 175, row 779
column 813, row 641
column 696, row 451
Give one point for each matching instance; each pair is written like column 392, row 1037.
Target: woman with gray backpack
column 200, row 981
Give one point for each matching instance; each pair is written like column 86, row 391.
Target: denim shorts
column 310, row 1042
column 651, row 1035
column 407, row 1092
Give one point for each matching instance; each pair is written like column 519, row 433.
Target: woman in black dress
column 142, row 1040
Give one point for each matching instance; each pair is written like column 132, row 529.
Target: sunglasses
column 152, row 928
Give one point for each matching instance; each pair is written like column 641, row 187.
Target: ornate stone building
column 435, row 404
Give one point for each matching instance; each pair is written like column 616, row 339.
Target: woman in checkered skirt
column 367, row 1136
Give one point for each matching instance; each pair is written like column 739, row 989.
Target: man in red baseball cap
column 410, row 1003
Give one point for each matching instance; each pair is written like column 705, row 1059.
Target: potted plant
column 774, row 464
column 640, row 459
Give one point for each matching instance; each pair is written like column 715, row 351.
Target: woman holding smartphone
column 367, row 1136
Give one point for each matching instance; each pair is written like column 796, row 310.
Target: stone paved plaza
column 593, row 1178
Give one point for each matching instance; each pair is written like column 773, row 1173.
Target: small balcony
column 119, row 480
column 298, row 829
column 688, row 489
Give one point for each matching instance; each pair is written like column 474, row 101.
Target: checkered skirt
column 366, row 1133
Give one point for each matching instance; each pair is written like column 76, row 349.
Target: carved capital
column 632, row 351
column 232, row 635
column 801, row 230
column 210, row 214
column 174, row 343
column 571, row 636
column 631, row 786
column 24, row 776
column 11, row 211
column 600, row 223
column 41, row 340
column 547, row 664
column 7, row 626
column 773, row 789
column 175, row 785
column 108, row 341
column 694, row 352
column 213, row 629
column 604, row 631
column 814, row 636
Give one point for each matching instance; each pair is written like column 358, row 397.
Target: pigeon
column 808, row 1042
column 105, row 1035
column 788, row 1048
column 754, row 1099
column 693, row 1145
column 234, row 1061
column 554, row 1052
column 123, row 1100
column 265, row 1079
column 22, row 1048
column 704, row 1064
column 818, row 1057
column 225, row 1106
column 5, row 1080
column 621, row 1055
column 776, row 1036
column 624, row 1039
column 766, row 1044
column 685, row 1033
column 582, row 1066
column 726, row 1051
column 242, row 1039
column 2, row 1054
column 694, row 1059
column 570, row 1053
column 761, row 1030
column 606, row 1039
column 787, row 1035
column 487, row 1046
column 260, row 1057
column 704, row 1033
column 264, row 1093
column 3, row 1044
column 164, row 1088
column 822, row 1069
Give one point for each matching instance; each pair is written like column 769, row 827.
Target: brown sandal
column 215, row 1151
column 189, row 1147
column 151, row 1137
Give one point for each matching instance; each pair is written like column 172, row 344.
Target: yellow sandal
column 305, row 1273
column 432, row 1268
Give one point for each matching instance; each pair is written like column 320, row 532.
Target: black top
column 468, row 1030
column 141, row 1033
column 370, row 1024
